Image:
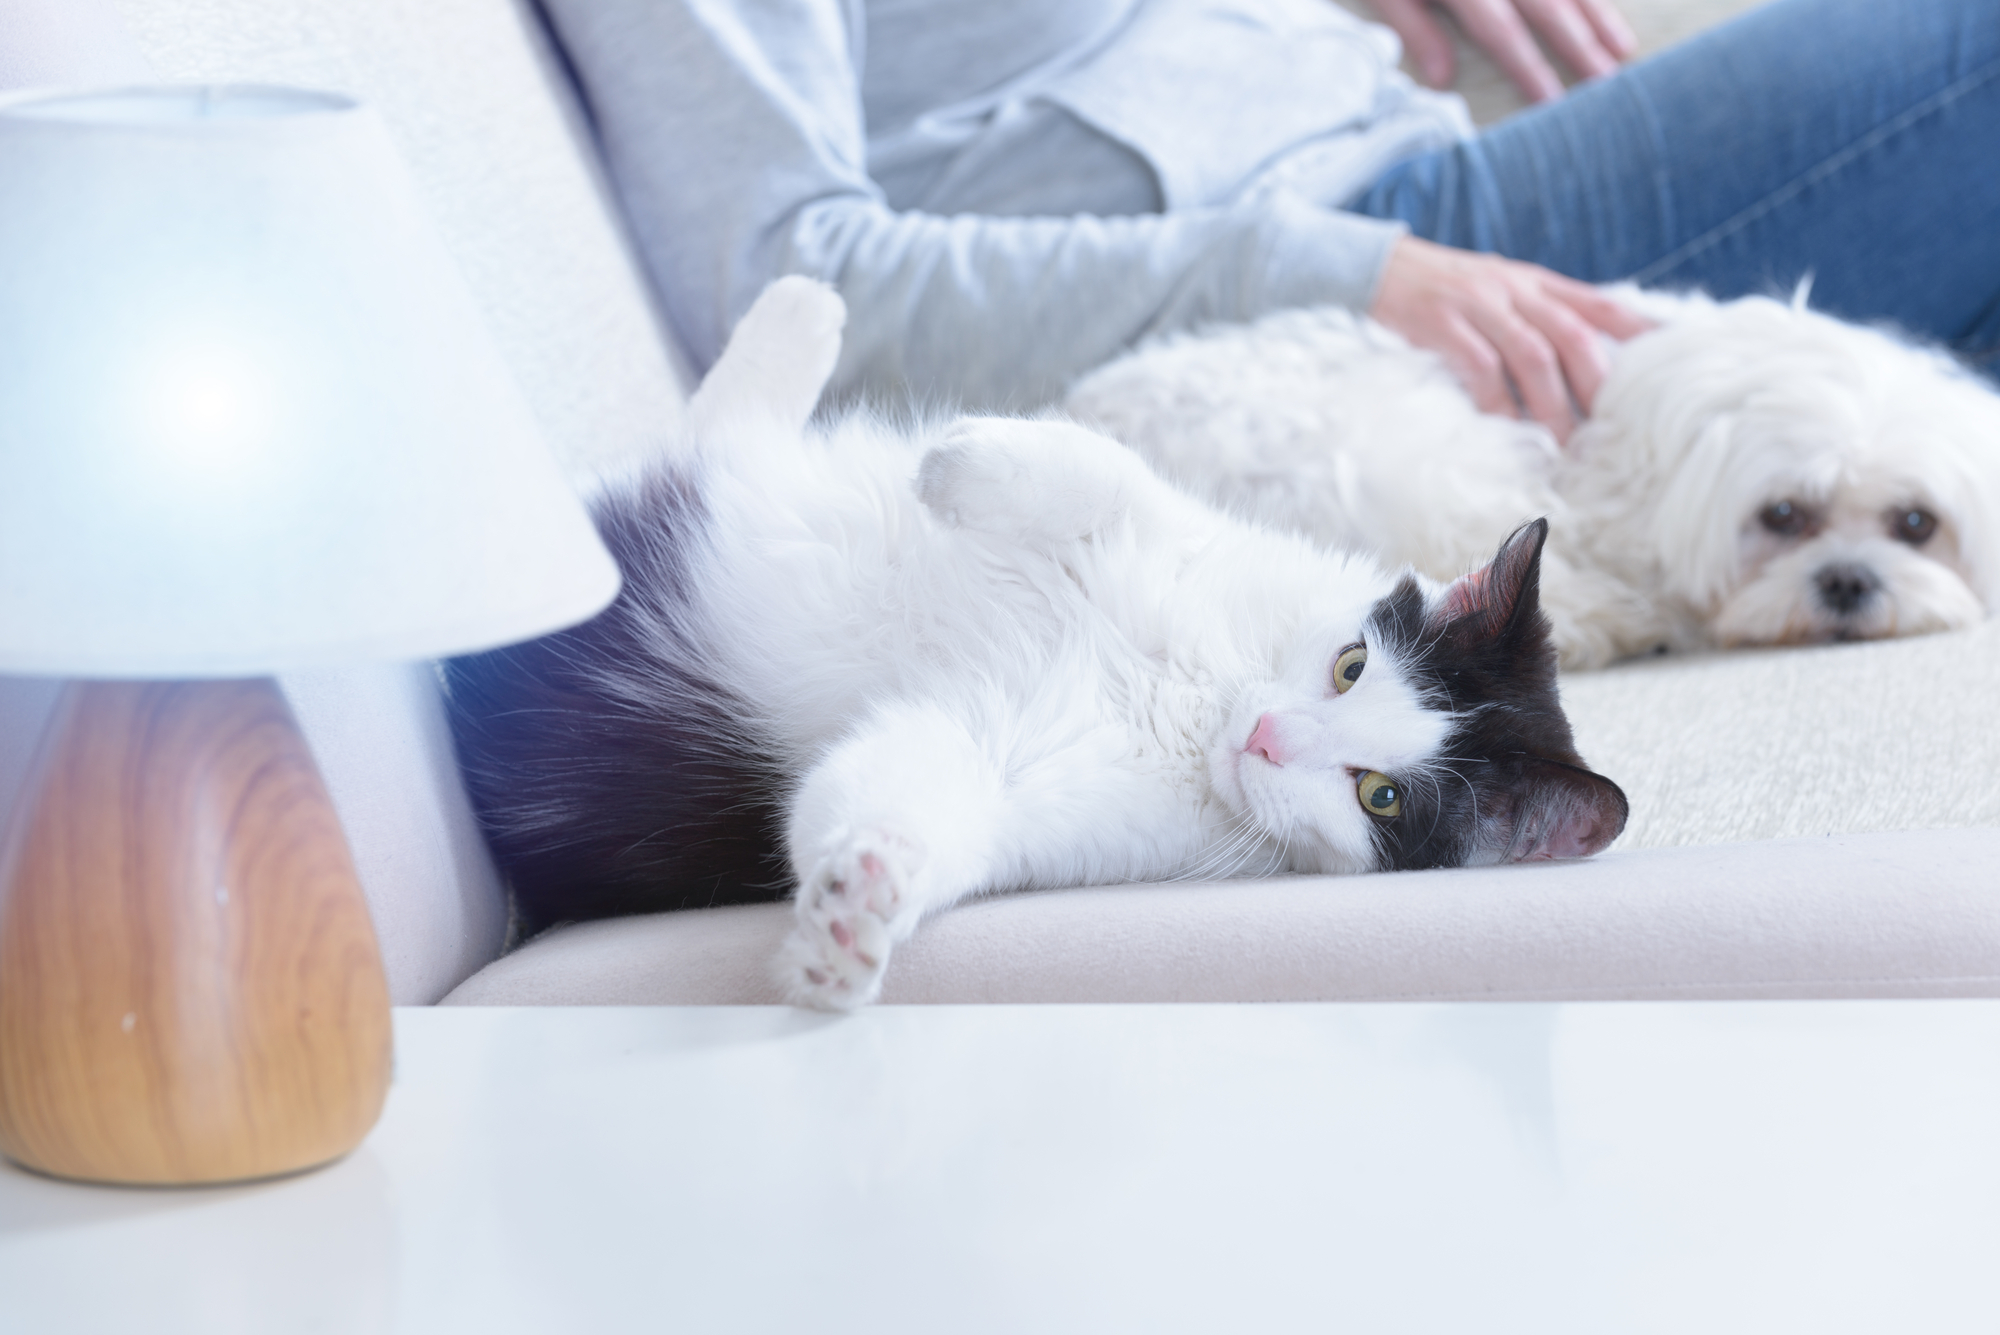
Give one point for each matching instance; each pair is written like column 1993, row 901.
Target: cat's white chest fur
column 832, row 561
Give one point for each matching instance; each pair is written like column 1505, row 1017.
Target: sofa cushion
column 384, row 749
column 1877, row 915
column 1761, row 744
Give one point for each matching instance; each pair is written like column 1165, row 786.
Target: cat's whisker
column 1212, row 859
column 1230, row 856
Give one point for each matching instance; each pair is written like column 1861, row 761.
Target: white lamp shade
column 249, row 418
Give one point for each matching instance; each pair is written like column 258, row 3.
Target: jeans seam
column 1820, row 171
column 1663, row 179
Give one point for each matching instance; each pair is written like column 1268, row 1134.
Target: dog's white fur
column 1331, row 425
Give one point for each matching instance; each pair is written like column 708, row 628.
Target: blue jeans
column 1854, row 140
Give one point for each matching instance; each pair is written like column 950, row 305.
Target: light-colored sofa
column 1804, row 823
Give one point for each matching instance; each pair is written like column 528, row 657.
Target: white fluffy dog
column 1753, row 472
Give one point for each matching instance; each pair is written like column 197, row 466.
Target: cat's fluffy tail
column 778, row 360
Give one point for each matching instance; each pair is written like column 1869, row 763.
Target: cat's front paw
column 1027, row 479
column 852, row 906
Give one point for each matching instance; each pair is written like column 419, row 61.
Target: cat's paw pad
column 851, row 908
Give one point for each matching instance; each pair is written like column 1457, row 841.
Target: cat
column 884, row 668
column 1752, row 471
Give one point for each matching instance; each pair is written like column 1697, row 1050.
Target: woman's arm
column 736, row 135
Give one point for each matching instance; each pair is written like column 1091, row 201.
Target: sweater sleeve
column 735, row 136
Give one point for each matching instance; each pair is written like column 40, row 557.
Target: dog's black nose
column 1844, row 588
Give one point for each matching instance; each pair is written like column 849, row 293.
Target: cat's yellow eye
column 1347, row 667
column 1379, row 794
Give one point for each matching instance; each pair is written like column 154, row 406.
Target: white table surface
column 1704, row 1167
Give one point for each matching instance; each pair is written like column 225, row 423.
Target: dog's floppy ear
column 1553, row 810
column 1500, row 595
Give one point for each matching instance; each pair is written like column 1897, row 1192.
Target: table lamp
column 249, row 421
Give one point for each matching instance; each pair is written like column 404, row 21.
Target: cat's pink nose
column 1264, row 740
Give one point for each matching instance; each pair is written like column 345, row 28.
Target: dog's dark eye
column 1347, row 667
column 1379, row 794
column 1787, row 519
column 1912, row 526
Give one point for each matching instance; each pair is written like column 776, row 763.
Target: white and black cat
column 884, row 669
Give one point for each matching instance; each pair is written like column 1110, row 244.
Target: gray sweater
column 1007, row 192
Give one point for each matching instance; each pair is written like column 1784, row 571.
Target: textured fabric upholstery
column 1880, row 915
column 1893, row 735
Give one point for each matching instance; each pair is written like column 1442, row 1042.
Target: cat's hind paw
column 851, row 908
column 779, row 358
column 1028, row 479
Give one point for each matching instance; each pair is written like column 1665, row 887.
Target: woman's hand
column 1590, row 36
column 1519, row 336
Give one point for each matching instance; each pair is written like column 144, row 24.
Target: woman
column 1010, row 194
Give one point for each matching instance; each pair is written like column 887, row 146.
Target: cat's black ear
column 1503, row 593
column 1553, row 810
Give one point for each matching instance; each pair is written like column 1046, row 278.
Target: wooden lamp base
column 190, row 989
